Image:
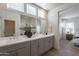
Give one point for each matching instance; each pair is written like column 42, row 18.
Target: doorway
column 9, row 28
column 68, row 28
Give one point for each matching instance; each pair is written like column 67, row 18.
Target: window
column 41, row 18
column 41, row 13
column 16, row 6
column 31, row 10
column 70, row 28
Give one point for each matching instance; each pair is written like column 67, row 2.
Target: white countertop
column 4, row 41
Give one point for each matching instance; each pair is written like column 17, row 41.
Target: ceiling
column 49, row 6
column 68, row 13
column 71, row 12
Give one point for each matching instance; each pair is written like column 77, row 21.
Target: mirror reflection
column 14, row 21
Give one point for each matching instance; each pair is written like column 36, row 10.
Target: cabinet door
column 50, row 42
column 34, row 47
column 46, row 45
column 41, row 46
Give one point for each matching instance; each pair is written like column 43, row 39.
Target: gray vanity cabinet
column 34, row 47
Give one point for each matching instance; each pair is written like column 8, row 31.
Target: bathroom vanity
column 23, row 46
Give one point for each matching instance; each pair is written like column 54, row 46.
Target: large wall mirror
column 11, row 22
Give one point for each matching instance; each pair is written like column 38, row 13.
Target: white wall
column 53, row 19
column 10, row 16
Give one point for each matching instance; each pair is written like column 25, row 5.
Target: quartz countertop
column 5, row 41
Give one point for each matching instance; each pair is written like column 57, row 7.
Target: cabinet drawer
column 14, row 46
column 25, row 51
